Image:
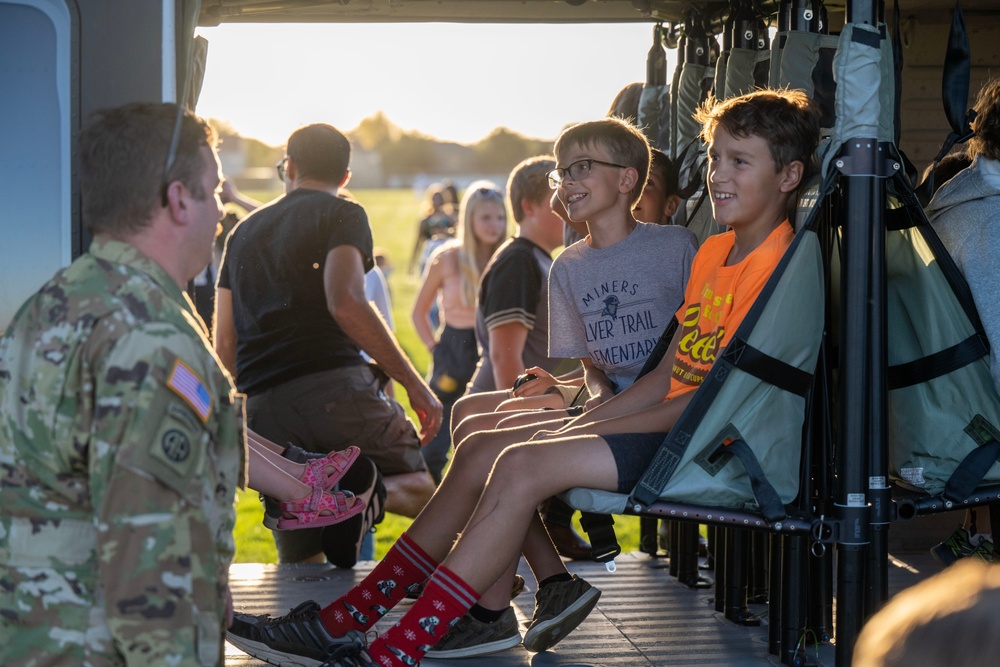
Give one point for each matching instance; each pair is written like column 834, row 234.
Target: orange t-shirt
column 716, row 300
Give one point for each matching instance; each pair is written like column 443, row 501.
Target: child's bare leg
column 522, row 477
column 256, row 438
column 541, row 557
column 475, row 404
column 489, row 421
column 518, row 419
column 275, row 458
column 271, row 480
column 498, row 596
column 473, row 424
column 449, row 509
column 544, row 401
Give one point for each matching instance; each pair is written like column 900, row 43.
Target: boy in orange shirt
column 759, row 146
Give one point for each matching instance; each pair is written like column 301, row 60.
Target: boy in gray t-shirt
column 609, row 304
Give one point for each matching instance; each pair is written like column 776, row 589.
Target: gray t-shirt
column 611, row 304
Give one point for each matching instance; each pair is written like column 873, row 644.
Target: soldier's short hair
column 124, row 163
column 320, row 151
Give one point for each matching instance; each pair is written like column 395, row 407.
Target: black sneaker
column 297, row 639
column 272, row 511
column 342, row 541
column 559, row 608
column 296, row 454
column 469, row 638
column 348, row 656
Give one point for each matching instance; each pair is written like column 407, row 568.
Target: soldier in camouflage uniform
column 121, row 439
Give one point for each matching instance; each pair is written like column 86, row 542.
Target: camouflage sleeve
column 163, row 504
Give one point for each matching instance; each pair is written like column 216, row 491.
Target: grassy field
column 393, row 215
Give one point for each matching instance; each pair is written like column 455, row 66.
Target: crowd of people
column 128, row 426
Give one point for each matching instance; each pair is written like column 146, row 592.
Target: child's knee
column 515, row 469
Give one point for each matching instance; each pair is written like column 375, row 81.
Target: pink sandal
column 319, row 509
column 341, row 462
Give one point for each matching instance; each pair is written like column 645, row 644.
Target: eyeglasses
column 577, row 171
column 282, row 168
column 175, row 139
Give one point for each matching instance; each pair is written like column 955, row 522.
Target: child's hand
column 539, row 385
column 596, row 400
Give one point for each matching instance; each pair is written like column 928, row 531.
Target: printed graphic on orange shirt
column 695, row 344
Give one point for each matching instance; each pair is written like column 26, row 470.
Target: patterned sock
column 361, row 607
column 444, row 600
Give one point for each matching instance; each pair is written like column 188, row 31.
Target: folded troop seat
column 944, row 410
column 734, row 455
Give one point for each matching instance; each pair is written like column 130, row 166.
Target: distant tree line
column 406, row 154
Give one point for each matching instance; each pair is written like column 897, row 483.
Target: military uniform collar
column 119, row 252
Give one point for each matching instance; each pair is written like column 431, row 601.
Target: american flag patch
column 189, row 386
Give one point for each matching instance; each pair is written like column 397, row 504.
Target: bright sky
column 452, row 81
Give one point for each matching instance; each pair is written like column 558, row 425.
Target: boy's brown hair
column 623, row 141
column 529, row 180
column 786, row 119
column 986, row 140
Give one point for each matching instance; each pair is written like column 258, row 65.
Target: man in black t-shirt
column 290, row 314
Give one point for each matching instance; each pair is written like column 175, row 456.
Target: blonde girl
column 450, row 280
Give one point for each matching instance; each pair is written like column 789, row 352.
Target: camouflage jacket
column 121, row 448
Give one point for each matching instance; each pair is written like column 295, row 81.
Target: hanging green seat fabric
column 943, row 404
column 739, row 442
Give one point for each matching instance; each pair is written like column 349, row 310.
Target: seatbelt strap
column 600, row 529
column 767, row 498
column 970, row 472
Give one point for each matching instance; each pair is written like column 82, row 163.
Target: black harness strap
column 940, row 363
column 600, row 529
column 767, row 498
column 970, row 472
column 660, row 349
column 767, row 368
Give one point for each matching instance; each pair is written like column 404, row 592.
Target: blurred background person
column 450, row 281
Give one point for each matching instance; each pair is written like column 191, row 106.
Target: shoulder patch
column 176, row 445
column 186, row 384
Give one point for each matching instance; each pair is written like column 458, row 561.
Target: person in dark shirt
column 291, row 312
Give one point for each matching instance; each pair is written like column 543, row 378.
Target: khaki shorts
column 330, row 410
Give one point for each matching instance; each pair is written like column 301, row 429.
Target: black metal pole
column 862, row 210
column 879, row 493
column 794, row 567
column 851, row 504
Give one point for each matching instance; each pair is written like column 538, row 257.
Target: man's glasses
column 577, row 171
column 175, row 139
column 282, row 168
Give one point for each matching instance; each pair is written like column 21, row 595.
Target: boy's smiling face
column 597, row 192
column 745, row 188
